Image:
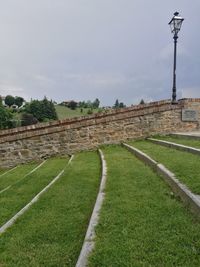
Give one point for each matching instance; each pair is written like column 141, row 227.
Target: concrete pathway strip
column 8, row 187
column 8, row 171
column 190, row 199
column 35, row 199
column 89, row 241
column 189, row 149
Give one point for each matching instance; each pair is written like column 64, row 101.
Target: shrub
column 28, row 119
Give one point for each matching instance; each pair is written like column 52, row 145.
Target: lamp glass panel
column 172, row 26
column 177, row 24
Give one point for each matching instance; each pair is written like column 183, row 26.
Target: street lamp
column 175, row 24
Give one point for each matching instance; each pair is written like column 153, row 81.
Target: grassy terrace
column 186, row 166
column 51, row 233
column 181, row 140
column 15, row 175
column 15, row 198
column 141, row 222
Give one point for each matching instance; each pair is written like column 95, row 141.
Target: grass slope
column 16, row 174
column 185, row 165
column 15, row 198
column 65, row 112
column 51, row 233
column 181, row 140
column 141, row 223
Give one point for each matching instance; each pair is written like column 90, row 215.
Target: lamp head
column 175, row 23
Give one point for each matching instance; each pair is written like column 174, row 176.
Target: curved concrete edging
column 189, row 149
column 88, row 244
column 190, row 199
column 8, row 187
column 35, row 199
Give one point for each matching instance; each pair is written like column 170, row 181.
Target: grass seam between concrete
column 10, row 222
column 8, row 187
column 89, row 241
column 190, row 199
column 189, row 149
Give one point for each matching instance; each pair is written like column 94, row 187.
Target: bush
column 90, row 111
column 72, row 104
column 28, row 119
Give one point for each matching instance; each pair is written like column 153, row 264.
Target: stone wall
column 43, row 140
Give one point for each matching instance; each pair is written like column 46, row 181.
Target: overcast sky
column 109, row 49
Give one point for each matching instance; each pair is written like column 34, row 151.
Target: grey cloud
column 109, row 49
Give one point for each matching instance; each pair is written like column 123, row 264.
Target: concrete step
column 175, row 145
column 190, row 135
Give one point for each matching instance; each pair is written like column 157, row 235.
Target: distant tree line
column 42, row 110
column 90, row 104
column 33, row 112
column 119, row 104
column 82, row 104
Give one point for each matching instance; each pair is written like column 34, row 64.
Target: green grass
column 2, row 171
column 65, row 112
column 141, row 222
column 180, row 140
column 16, row 174
column 15, row 198
column 51, row 233
column 186, row 166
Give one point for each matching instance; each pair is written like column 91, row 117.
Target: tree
column 9, row 100
column 48, row 109
column 81, row 104
column 121, row 105
column 19, row 101
column 5, row 118
column 72, row 104
column 88, row 104
column 42, row 110
column 116, row 105
column 96, row 103
column 35, row 108
column 142, row 102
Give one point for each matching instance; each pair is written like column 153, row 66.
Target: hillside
column 65, row 112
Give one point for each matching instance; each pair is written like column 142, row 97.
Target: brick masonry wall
column 43, row 140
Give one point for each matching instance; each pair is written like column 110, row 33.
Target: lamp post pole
column 174, row 71
column 175, row 24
